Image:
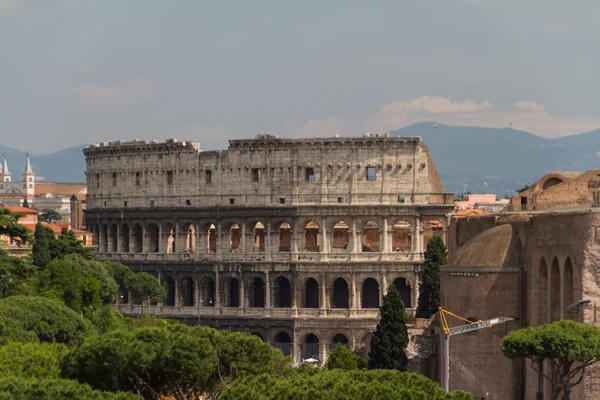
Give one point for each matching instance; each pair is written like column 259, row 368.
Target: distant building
column 17, row 190
column 485, row 202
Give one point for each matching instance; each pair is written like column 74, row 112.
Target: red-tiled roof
column 59, row 188
column 23, row 210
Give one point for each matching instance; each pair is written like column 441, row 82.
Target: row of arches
column 186, row 293
column 555, row 289
column 238, row 238
column 309, row 346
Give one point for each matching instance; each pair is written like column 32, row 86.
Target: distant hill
column 468, row 159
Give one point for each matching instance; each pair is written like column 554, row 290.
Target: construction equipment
column 470, row 326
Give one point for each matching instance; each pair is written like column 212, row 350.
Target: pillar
column 217, row 298
column 268, row 239
column 198, row 299
column 243, row 248
column 355, row 240
column 354, row 304
column 160, row 280
column 219, row 243
column 177, row 299
column 385, row 237
column 323, row 294
column 323, row 245
column 242, row 287
column 267, row 291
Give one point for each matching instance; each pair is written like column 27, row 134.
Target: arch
column 190, row 238
column 125, row 238
column 258, row 335
column 231, row 292
column 285, row 237
column 340, row 338
column 568, row 285
column 551, row 182
column 211, row 244
column 370, row 294
column 555, row 311
column 403, row 287
column 341, row 297
column 310, row 348
column 138, row 238
column 234, row 238
column 104, row 237
column 311, row 237
column 113, row 238
column 543, row 292
column 170, row 287
column 170, row 238
column 370, row 237
column 259, row 237
column 283, row 293
column 282, row 337
column 311, row 293
column 256, row 293
column 341, row 236
column 433, row 228
column 207, row 292
column 283, row 342
column 123, row 295
column 401, row 236
column 187, row 292
column 152, row 234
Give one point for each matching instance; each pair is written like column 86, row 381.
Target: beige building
column 294, row 240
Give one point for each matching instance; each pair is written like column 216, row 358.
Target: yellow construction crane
column 470, row 326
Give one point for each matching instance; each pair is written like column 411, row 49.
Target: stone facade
column 295, row 240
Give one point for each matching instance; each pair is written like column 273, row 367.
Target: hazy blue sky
column 74, row 72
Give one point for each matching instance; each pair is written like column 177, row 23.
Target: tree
column 44, row 236
column 49, row 215
column 145, row 286
column 32, row 360
column 9, row 226
column 67, row 243
column 429, row 290
column 343, row 358
column 390, row 339
column 16, row 276
column 524, row 188
column 16, row 388
column 571, row 348
column 26, row 204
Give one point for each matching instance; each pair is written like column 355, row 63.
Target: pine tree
column 429, row 290
column 390, row 339
column 41, row 247
column 25, row 204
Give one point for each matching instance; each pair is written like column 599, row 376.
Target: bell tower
column 5, row 173
column 28, row 178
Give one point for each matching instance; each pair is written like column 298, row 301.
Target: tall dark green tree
column 391, row 336
column 44, row 237
column 67, row 243
column 26, row 204
column 429, row 290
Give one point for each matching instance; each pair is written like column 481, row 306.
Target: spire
column 5, row 166
column 28, row 169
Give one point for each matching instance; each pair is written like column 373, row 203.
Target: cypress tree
column 390, row 339
column 429, row 290
column 25, row 204
column 41, row 246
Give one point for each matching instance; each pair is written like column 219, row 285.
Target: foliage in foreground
column 13, row 388
column 340, row 384
column 32, row 360
column 570, row 346
column 342, row 357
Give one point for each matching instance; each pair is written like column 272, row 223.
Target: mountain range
column 468, row 159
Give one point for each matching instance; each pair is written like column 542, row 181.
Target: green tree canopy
column 15, row 388
column 429, row 290
column 38, row 319
column 142, row 285
column 390, row 339
column 16, row 276
column 343, row 358
column 67, row 243
column 571, row 347
column 32, row 360
column 49, row 215
column 44, row 238
column 9, row 226
column 340, row 384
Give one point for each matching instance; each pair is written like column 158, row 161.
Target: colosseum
column 293, row 240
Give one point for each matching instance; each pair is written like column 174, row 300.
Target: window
column 282, row 200
column 104, row 204
column 188, row 202
column 310, row 174
column 125, row 203
column 151, row 203
column 371, row 174
column 114, row 178
column 400, row 199
column 208, row 174
column 97, row 180
column 340, row 200
column 30, row 186
column 30, row 179
column 169, row 177
column 137, row 178
column 232, row 201
column 255, row 174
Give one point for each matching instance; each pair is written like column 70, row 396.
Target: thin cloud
column 130, row 92
column 7, row 7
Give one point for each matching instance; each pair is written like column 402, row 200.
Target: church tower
column 5, row 173
column 28, row 178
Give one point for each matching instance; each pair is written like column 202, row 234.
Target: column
column 217, row 299
column 267, row 291
column 323, row 245
column 144, row 238
column 355, row 242
column 296, row 348
column 242, row 292
column 295, row 294
column 159, row 239
column 243, row 248
column 385, row 236
column 294, row 241
column 160, row 280
column 219, row 238
column 132, row 238
column 268, row 239
column 323, row 295
column 354, row 304
column 198, row 296
column 177, row 299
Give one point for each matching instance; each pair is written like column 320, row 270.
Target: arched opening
column 170, row 288
column 212, row 239
column 138, row 238
column 207, row 292
column 231, row 292
column 370, row 237
column 285, row 237
column 125, row 238
column 403, row 287
column 311, row 298
column 551, row 182
column 256, row 293
column 340, row 297
column 543, row 292
column 187, row 292
column 568, row 285
column 190, row 239
column 555, row 311
column 258, row 335
column 283, row 293
column 340, row 338
column 431, row 229
column 170, row 238
column 259, row 237
column 310, row 348
column 104, row 238
column 311, row 237
column 401, row 236
column 152, row 233
column 370, row 294
column 341, row 236
column 234, row 238
column 113, row 238
column 96, row 235
column 123, row 295
column 283, row 342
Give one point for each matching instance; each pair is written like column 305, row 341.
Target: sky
column 78, row 72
